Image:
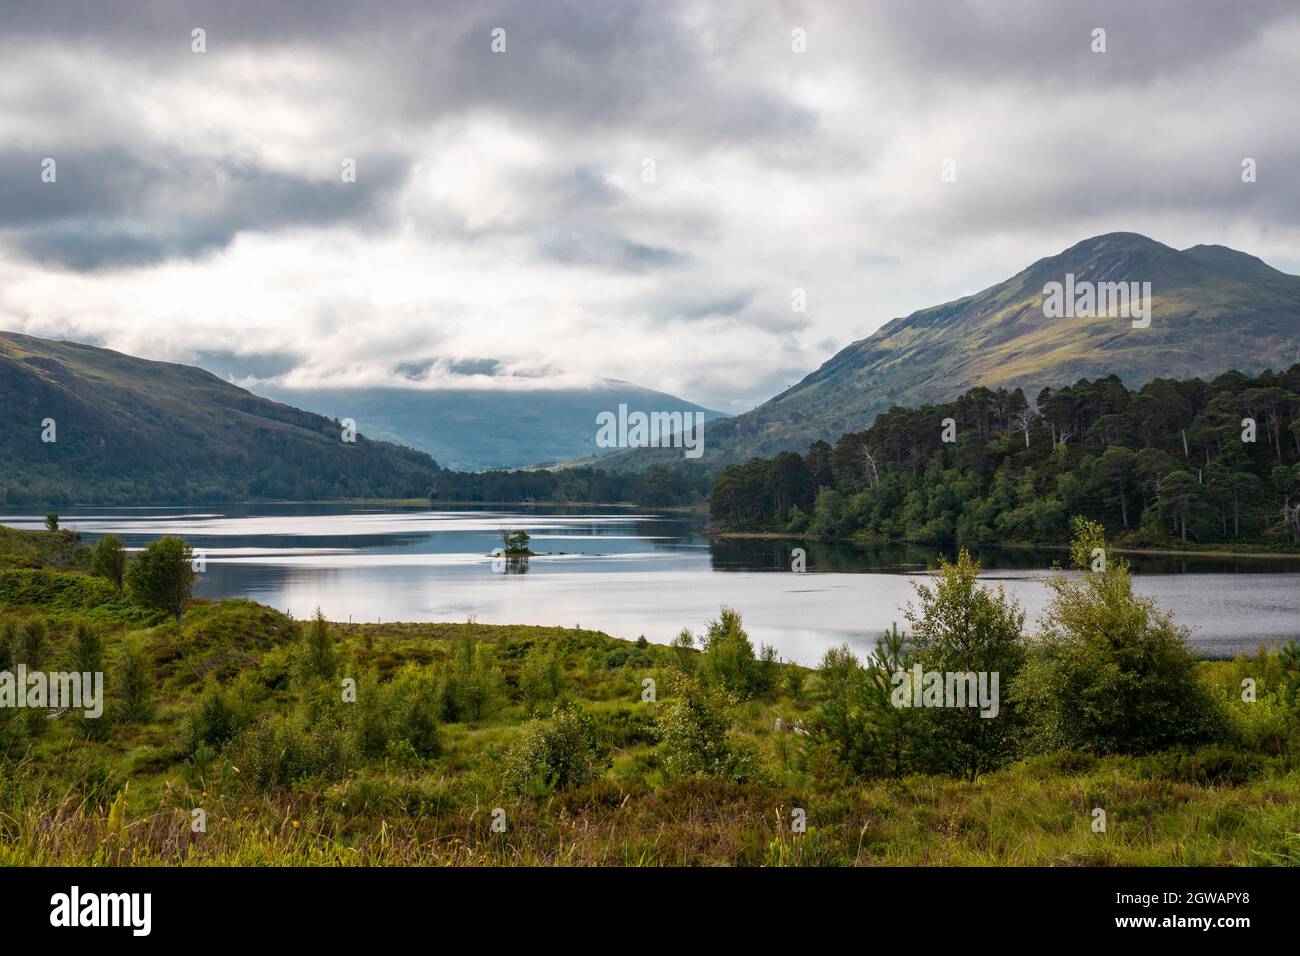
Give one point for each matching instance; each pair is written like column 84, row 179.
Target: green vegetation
column 661, row 486
column 108, row 560
column 314, row 743
column 515, row 543
column 135, row 431
column 131, row 430
column 1213, row 308
column 560, row 753
column 960, row 626
column 1112, row 673
column 58, row 550
column 1163, row 466
column 160, row 577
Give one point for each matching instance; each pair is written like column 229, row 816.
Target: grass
column 106, row 792
column 42, row 549
column 1027, row 815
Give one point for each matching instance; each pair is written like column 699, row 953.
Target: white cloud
column 500, row 211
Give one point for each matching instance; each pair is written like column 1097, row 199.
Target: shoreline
column 1216, row 552
column 402, row 502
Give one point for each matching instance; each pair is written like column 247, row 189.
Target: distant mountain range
column 1213, row 309
column 85, row 424
column 129, row 429
column 476, row 429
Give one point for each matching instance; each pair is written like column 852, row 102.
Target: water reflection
column 633, row 574
column 776, row 554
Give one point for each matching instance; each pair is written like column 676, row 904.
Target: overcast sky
column 502, row 228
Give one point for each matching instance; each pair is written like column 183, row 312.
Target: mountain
column 476, row 429
column 1213, row 309
column 130, row 430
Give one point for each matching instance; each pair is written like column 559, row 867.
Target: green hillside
column 131, row 430
column 61, row 550
column 1213, row 309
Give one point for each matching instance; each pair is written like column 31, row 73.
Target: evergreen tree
column 317, row 657
column 87, row 649
column 134, row 685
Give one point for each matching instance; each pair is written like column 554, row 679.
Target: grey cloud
column 153, row 24
column 111, row 207
column 716, row 307
column 484, row 366
column 581, row 187
column 415, row 371
column 1047, row 43
column 570, row 68
column 232, row 365
column 572, row 65
column 1109, row 181
column 573, row 216
column 766, row 310
column 590, row 67
column 776, row 321
column 577, row 246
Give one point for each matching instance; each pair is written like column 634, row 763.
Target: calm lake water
column 633, row 573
